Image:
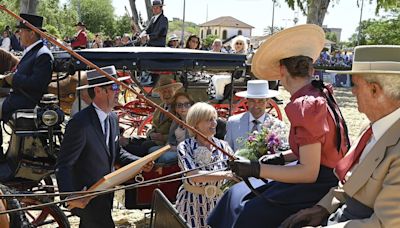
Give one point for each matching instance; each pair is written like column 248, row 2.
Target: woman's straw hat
column 307, row 40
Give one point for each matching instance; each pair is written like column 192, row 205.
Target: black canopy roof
column 151, row 58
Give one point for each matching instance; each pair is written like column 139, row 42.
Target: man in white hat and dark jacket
column 367, row 194
column 90, row 149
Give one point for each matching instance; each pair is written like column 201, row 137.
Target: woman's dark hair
column 180, row 94
column 188, row 40
column 298, row 66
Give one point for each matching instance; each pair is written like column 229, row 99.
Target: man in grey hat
column 156, row 32
column 90, row 149
column 369, row 175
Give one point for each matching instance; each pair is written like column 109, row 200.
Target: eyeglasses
column 183, row 105
column 239, row 43
column 114, row 87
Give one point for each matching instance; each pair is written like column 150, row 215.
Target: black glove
column 273, row 159
column 245, row 168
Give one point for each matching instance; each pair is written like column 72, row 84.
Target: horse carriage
column 199, row 71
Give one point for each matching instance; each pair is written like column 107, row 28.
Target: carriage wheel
column 46, row 215
column 273, row 109
column 145, row 126
column 14, row 219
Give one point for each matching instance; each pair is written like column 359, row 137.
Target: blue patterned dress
column 195, row 207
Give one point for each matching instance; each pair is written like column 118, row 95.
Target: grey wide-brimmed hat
column 257, row 89
column 96, row 79
column 374, row 59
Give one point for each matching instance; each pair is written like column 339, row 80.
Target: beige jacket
column 375, row 182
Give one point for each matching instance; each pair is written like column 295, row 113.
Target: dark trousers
column 140, row 147
column 97, row 213
column 239, row 207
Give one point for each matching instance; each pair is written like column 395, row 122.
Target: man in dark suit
column 90, row 150
column 33, row 73
column 156, row 32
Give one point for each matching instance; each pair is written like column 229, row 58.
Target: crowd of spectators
column 336, row 59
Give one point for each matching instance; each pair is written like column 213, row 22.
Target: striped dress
column 195, row 208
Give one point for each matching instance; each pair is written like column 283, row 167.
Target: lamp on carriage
column 48, row 112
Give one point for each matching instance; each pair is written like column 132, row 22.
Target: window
column 239, row 32
column 201, row 34
column 216, row 32
column 208, row 31
column 224, row 34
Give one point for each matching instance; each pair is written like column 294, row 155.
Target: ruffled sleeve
column 308, row 117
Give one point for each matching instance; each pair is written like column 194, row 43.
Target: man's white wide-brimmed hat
column 257, row 89
column 306, row 40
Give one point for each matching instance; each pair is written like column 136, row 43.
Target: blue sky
column 341, row 14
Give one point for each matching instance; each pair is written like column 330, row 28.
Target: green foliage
column 176, row 25
column 379, row 31
column 53, row 31
column 331, row 36
column 207, row 42
column 98, row 15
column 6, row 19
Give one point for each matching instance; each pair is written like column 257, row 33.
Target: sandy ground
column 139, row 218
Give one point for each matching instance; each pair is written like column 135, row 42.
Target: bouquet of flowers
column 271, row 138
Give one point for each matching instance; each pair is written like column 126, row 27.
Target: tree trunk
column 28, row 6
column 316, row 11
column 148, row 8
column 135, row 16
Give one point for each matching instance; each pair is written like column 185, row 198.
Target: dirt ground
column 139, row 218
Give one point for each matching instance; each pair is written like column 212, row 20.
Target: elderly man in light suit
column 239, row 126
column 369, row 186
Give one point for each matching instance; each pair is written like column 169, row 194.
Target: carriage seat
column 23, row 120
column 218, row 83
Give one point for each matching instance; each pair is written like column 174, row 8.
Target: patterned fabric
column 194, row 207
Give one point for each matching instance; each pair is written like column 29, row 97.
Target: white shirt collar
column 261, row 119
column 383, row 124
column 100, row 113
column 30, row 47
column 156, row 17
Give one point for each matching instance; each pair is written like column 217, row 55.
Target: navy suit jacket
column 30, row 81
column 157, row 31
column 84, row 157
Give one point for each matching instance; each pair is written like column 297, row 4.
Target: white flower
column 202, row 155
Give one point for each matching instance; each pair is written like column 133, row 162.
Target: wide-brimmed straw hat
column 306, row 40
column 257, row 89
column 374, row 59
column 96, row 79
column 164, row 83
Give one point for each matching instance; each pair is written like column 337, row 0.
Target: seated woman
column 198, row 195
column 180, row 105
column 239, row 45
column 318, row 138
column 193, row 42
